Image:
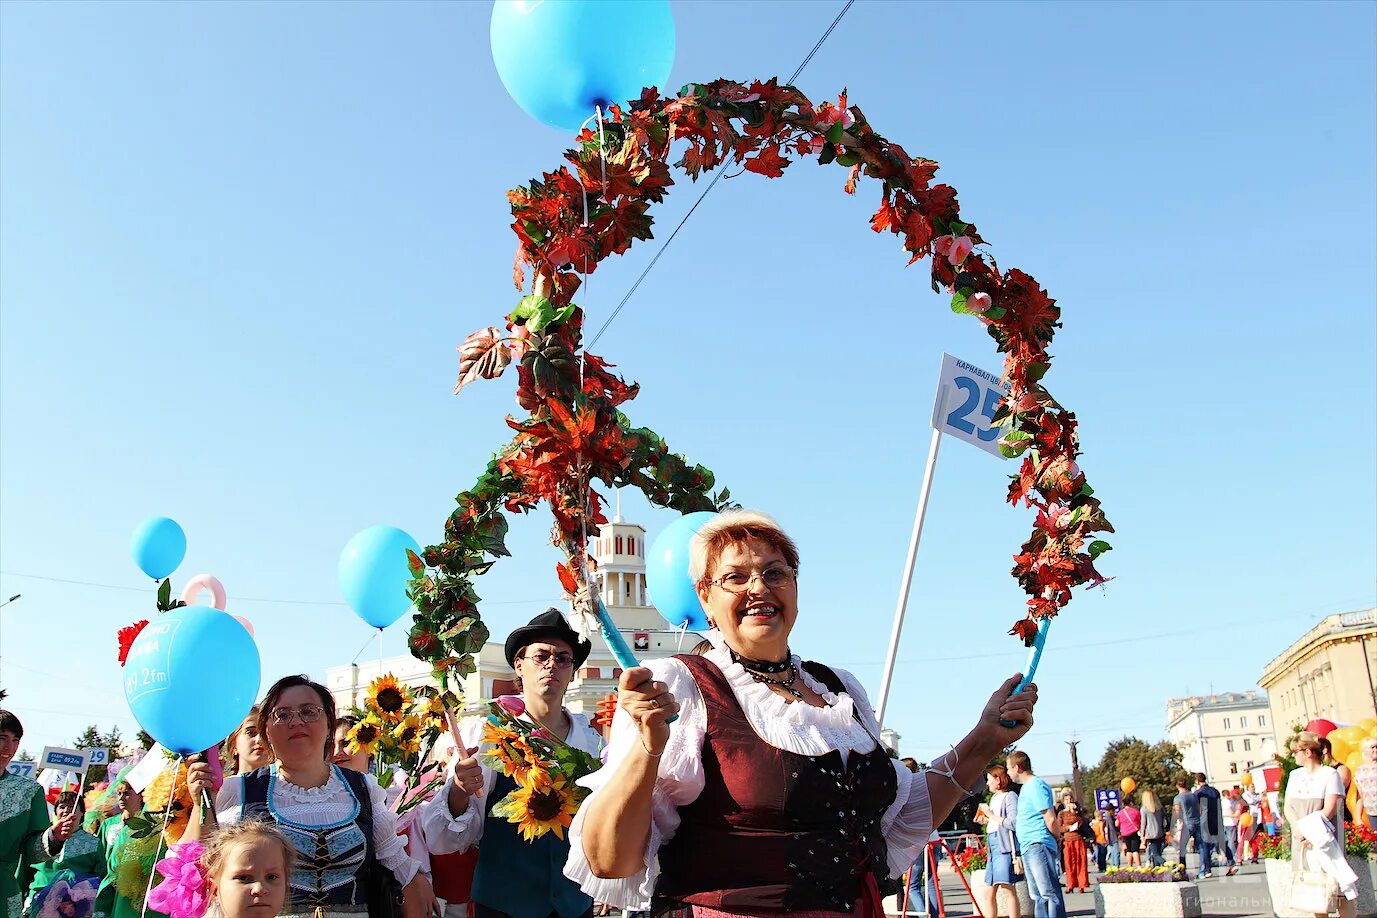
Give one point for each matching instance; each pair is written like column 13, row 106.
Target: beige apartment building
column 1328, row 674
column 1221, row 735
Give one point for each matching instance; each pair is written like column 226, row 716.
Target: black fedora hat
column 548, row 624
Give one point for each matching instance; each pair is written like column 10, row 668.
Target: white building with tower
column 620, row 552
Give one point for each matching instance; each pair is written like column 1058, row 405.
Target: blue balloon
column 159, row 545
column 667, row 573
column 191, row 677
column 373, row 574
column 560, row 58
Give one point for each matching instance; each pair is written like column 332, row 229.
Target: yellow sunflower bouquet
column 396, row 727
column 545, row 768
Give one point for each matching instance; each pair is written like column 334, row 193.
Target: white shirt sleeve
column 389, row 847
column 444, row 832
column 227, row 800
column 1333, row 783
column 680, row 780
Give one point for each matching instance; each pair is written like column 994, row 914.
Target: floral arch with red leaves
column 598, row 205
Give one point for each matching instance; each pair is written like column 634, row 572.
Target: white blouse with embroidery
column 330, row 803
column 794, row 727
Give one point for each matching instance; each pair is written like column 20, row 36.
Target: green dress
column 117, row 845
column 23, row 821
column 80, row 854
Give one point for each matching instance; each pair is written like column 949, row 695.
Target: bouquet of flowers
column 397, row 726
column 971, row 859
column 546, row 770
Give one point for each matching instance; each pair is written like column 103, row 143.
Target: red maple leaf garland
column 127, row 634
column 568, row 221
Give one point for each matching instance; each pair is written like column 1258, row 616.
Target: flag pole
column 907, row 580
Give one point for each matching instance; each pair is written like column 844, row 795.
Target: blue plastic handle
column 1031, row 667
column 617, row 644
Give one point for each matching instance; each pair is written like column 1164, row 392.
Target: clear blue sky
column 241, row 241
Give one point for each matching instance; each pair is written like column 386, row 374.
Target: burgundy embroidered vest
column 773, row 829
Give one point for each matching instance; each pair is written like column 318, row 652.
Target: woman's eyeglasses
column 307, row 714
column 740, row 581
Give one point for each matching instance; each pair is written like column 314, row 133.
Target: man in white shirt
column 515, row 877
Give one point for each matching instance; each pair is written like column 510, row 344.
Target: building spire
column 618, row 517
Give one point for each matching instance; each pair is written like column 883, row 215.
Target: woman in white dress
column 771, row 794
column 1313, row 786
column 337, row 819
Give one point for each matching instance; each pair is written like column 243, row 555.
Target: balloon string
column 157, row 850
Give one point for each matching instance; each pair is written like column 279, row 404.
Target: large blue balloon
column 159, row 545
column 667, row 573
column 373, row 574
column 191, row 677
column 560, row 58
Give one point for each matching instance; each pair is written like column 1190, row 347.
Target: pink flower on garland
column 512, row 704
column 956, row 249
column 183, row 893
column 979, row 303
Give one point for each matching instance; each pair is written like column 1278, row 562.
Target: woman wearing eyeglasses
column 346, row 839
column 512, row 876
column 772, row 793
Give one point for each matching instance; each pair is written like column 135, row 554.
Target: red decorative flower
column 127, row 636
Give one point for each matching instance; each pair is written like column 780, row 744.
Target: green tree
column 1154, row 765
column 92, row 738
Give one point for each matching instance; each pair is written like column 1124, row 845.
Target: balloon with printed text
column 191, row 677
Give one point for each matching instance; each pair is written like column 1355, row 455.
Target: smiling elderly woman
column 771, row 794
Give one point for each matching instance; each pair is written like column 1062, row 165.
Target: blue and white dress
column 327, row 826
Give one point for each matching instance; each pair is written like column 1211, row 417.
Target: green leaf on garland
column 834, row 133
column 995, row 312
column 415, row 564
column 1086, row 490
column 1014, row 443
column 848, row 159
column 537, row 312
column 956, row 227
column 1036, row 371
column 1099, row 547
column 165, row 595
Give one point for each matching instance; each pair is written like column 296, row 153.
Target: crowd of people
column 738, row 780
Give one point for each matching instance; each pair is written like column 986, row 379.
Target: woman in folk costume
column 772, row 793
column 27, row 836
column 513, row 876
column 337, row 819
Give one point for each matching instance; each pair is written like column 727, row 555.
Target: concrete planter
column 985, row 896
column 1133, row 900
column 1279, row 887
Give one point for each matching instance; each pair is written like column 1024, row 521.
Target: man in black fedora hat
column 514, row 877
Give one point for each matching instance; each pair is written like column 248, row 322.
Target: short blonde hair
column 731, row 527
column 1309, row 742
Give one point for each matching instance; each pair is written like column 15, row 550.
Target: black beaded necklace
column 757, row 670
column 763, row 666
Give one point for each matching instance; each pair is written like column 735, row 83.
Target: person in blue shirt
column 1036, row 827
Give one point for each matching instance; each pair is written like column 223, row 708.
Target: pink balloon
column 200, row 582
column 248, row 625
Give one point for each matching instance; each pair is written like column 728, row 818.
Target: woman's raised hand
column 649, row 704
column 198, row 777
column 1008, row 707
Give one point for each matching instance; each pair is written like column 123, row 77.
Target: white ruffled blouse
column 794, row 727
column 328, row 804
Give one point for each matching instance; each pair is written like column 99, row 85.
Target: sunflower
column 537, row 810
column 509, row 752
column 364, row 735
column 407, row 735
column 434, row 710
column 387, row 697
